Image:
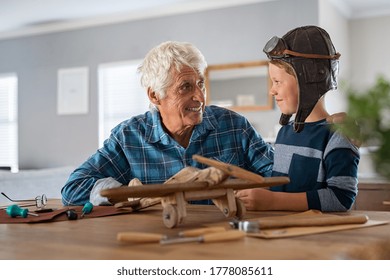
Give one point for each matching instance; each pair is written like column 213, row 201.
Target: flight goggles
column 276, row 49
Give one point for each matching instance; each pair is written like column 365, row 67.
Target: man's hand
column 337, row 118
column 340, row 119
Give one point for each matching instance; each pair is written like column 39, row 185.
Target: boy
column 321, row 164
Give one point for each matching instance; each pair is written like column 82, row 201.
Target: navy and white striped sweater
column 320, row 162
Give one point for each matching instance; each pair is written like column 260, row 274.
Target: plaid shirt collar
column 155, row 131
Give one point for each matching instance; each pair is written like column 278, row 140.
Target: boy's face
column 284, row 89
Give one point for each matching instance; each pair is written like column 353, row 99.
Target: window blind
column 9, row 122
column 121, row 95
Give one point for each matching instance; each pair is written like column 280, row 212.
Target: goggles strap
column 307, row 55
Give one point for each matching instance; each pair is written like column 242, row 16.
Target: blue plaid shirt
column 140, row 148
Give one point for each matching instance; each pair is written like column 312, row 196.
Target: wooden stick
column 232, row 170
column 158, row 190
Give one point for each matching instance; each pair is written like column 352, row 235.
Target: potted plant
column 368, row 122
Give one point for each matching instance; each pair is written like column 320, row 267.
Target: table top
column 96, row 239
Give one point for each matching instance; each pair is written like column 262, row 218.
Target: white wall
column 333, row 21
column 370, row 45
column 226, row 35
column 223, row 35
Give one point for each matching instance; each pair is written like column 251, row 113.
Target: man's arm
column 107, row 168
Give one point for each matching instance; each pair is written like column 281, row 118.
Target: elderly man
column 154, row 146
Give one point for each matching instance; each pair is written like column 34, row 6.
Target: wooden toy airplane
column 174, row 196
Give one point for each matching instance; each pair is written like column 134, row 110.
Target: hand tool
column 39, row 201
column 87, row 209
column 14, row 211
column 71, row 214
column 200, row 231
column 265, row 223
column 246, row 226
column 138, row 237
column 44, row 210
column 206, row 238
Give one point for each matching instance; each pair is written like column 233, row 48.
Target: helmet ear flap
column 284, row 119
column 300, row 118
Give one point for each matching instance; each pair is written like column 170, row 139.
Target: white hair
column 155, row 68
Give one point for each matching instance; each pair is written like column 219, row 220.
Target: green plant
column 368, row 121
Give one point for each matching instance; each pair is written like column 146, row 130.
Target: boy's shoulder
column 315, row 134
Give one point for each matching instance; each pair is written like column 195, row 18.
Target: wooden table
column 95, row 239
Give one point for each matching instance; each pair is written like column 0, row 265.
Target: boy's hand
column 256, row 199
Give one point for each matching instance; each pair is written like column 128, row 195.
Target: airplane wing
column 245, row 180
column 159, row 190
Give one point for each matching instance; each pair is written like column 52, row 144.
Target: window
column 9, row 122
column 121, row 95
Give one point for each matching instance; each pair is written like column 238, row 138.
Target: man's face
column 184, row 102
column 284, row 89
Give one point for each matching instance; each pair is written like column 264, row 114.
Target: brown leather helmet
column 310, row 51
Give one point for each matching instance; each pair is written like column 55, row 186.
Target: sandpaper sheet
column 299, row 231
column 313, row 215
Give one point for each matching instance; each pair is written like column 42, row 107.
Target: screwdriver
column 15, row 210
column 87, row 209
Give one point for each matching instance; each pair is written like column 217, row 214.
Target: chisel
column 277, row 222
column 207, row 238
column 139, row 237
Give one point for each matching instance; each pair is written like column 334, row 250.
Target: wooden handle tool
column 279, row 222
column 200, row 231
column 210, row 237
column 137, row 237
column 141, row 237
column 319, row 221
